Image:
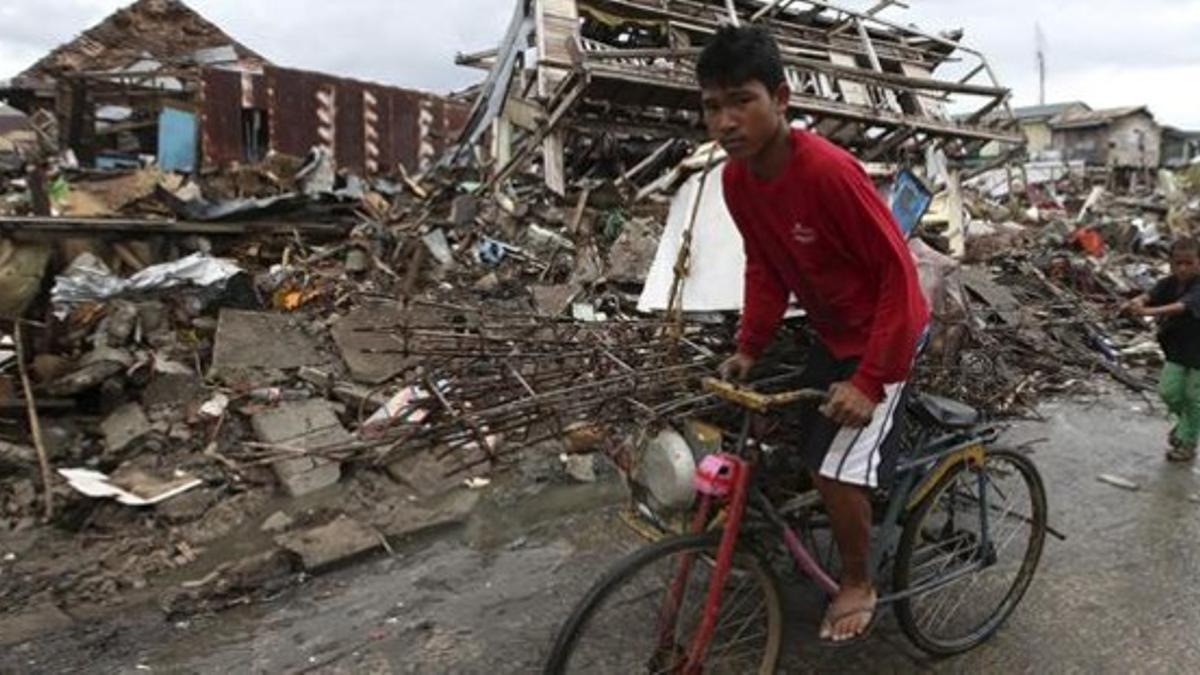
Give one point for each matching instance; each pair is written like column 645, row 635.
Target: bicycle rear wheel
column 618, row 627
column 974, row 582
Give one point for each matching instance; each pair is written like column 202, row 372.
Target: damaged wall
column 159, row 29
column 1129, row 140
column 369, row 128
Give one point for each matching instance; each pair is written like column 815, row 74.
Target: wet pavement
column 1120, row 595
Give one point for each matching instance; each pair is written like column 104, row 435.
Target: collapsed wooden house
column 610, row 83
column 158, row 79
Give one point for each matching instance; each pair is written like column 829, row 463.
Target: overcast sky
column 1105, row 52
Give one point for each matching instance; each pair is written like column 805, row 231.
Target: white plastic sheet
column 96, row 484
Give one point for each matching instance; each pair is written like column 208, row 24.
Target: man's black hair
column 1186, row 245
column 736, row 56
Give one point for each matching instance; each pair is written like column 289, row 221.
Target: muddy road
column 1118, row 596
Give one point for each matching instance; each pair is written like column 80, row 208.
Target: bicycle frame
column 727, row 478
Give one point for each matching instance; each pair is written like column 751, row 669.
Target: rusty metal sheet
column 254, row 92
column 221, row 116
column 305, row 109
column 402, row 138
column 348, row 148
column 293, row 112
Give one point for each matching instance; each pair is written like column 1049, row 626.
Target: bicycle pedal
column 804, row 500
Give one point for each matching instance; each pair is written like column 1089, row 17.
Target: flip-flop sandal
column 861, row 637
column 1181, row 454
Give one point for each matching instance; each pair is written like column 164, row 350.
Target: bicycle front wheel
column 969, row 551
column 640, row 617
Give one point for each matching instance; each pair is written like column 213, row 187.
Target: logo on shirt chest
column 803, row 234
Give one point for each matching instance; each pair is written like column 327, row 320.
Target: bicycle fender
column 973, row 454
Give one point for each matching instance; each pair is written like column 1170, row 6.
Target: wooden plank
column 929, row 106
column 45, row 225
column 524, row 114
column 602, row 75
column 854, row 93
column 552, row 163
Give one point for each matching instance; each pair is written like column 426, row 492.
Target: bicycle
column 708, row 600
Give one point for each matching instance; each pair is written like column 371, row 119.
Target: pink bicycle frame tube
column 712, row 604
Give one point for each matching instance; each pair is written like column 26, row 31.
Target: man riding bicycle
column 814, row 227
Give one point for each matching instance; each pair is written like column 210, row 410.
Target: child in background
column 1175, row 301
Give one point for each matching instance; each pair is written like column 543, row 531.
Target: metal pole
column 733, row 16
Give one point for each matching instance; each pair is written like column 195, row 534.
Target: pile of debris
column 1035, row 309
column 196, row 344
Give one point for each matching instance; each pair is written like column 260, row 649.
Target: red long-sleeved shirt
column 820, row 231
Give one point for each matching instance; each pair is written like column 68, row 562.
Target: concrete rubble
column 393, row 331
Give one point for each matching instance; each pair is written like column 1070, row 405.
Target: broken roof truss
column 624, row 69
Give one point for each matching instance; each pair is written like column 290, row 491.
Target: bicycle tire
column 628, row 568
column 1037, row 520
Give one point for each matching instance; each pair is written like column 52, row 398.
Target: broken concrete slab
column 350, row 393
column 188, row 506
column 406, row 519
column 277, row 522
column 340, row 541
column 998, row 298
column 580, row 467
column 300, row 476
column 632, row 254
column 424, row 473
column 553, row 300
column 126, row 425
column 249, row 343
column 30, row 623
column 169, row 389
column 302, row 425
column 93, row 369
column 358, row 343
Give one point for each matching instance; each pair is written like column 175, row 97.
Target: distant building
column 12, row 119
column 158, row 79
column 1179, row 148
column 1121, row 138
column 1035, row 123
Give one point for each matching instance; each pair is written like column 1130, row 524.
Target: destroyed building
column 1121, row 138
column 1035, row 123
column 609, row 89
column 1180, row 147
column 157, row 79
column 435, row 325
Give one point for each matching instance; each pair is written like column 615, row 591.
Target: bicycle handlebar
column 759, row 402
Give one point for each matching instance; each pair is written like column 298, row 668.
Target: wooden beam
column 879, row 7
column 774, row 8
column 41, row 226
column 788, row 33
column 888, row 144
column 575, row 86
column 847, row 72
column 813, row 104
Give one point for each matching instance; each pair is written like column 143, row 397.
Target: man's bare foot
column 850, row 614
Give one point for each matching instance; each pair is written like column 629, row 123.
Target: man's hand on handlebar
column 848, row 406
column 736, row 368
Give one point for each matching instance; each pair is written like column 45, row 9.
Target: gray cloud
column 1106, row 52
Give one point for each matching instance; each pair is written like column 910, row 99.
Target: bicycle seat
column 944, row 412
